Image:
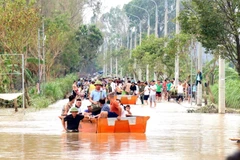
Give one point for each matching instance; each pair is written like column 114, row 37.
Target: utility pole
column 221, row 86
column 135, row 61
column 166, row 19
column 131, row 41
column 156, row 18
column 147, row 73
column 177, row 54
column 43, row 52
column 111, row 63
column 165, row 32
column 140, row 27
column 148, row 31
column 104, row 57
column 191, row 50
column 135, row 39
column 39, row 60
column 199, row 86
column 116, row 67
column 149, row 26
column 116, row 62
column 140, row 74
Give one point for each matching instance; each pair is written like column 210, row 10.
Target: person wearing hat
column 109, row 87
column 72, row 120
column 95, row 96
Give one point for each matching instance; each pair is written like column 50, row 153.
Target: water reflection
column 102, row 144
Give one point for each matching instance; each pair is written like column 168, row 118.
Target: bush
column 40, row 102
column 52, row 91
column 232, row 93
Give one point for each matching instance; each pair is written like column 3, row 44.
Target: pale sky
column 106, row 5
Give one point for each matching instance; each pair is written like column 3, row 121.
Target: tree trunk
column 208, row 89
column 15, row 105
column 27, row 98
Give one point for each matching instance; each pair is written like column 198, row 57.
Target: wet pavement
column 172, row 133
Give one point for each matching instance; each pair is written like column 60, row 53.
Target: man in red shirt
column 115, row 109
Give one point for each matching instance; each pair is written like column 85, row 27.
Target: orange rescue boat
column 135, row 124
column 127, row 99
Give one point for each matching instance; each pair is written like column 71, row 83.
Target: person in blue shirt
column 95, row 96
column 104, row 109
column 103, row 105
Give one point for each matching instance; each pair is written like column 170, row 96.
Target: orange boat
column 127, row 99
column 112, row 125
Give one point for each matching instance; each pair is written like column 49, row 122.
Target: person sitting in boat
column 67, row 107
column 103, row 105
column 73, row 121
column 128, row 113
column 122, row 107
column 78, row 105
column 88, row 111
column 104, row 108
column 115, row 109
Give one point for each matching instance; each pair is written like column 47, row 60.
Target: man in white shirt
column 152, row 95
column 113, row 85
column 180, row 92
column 146, row 93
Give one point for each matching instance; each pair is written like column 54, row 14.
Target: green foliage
column 53, row 91
column 88, row 40
column 160, row 52
column 232, row 93
column 40, row 102
column 215, row 24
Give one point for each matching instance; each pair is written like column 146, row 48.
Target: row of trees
column 214, row 24
column 69, row 45
column 121, row 28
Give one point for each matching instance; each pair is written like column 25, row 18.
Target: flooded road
column 171, row 134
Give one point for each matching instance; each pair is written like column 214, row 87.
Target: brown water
column 171, row 134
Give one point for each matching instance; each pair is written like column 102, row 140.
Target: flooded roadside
column 171, row 134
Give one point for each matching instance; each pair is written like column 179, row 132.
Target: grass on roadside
column 232, row 93
column 52, row 91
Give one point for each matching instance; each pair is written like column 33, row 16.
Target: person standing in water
column 73, row 121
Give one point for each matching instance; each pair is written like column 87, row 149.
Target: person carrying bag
column 95, row 96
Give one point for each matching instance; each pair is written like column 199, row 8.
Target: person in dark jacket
column 199, row 78
column 133, row 89
column 73, row 121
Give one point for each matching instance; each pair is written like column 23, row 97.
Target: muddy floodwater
column 171, row 134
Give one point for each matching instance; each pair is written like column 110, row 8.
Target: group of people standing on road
column 102, row 94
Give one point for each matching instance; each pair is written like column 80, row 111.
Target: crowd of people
column 101, row 93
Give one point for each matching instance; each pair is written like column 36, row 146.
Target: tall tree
column 89, row 39
column 214, row 23
column 150, row 7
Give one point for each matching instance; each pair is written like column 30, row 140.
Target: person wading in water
column 73, row 121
